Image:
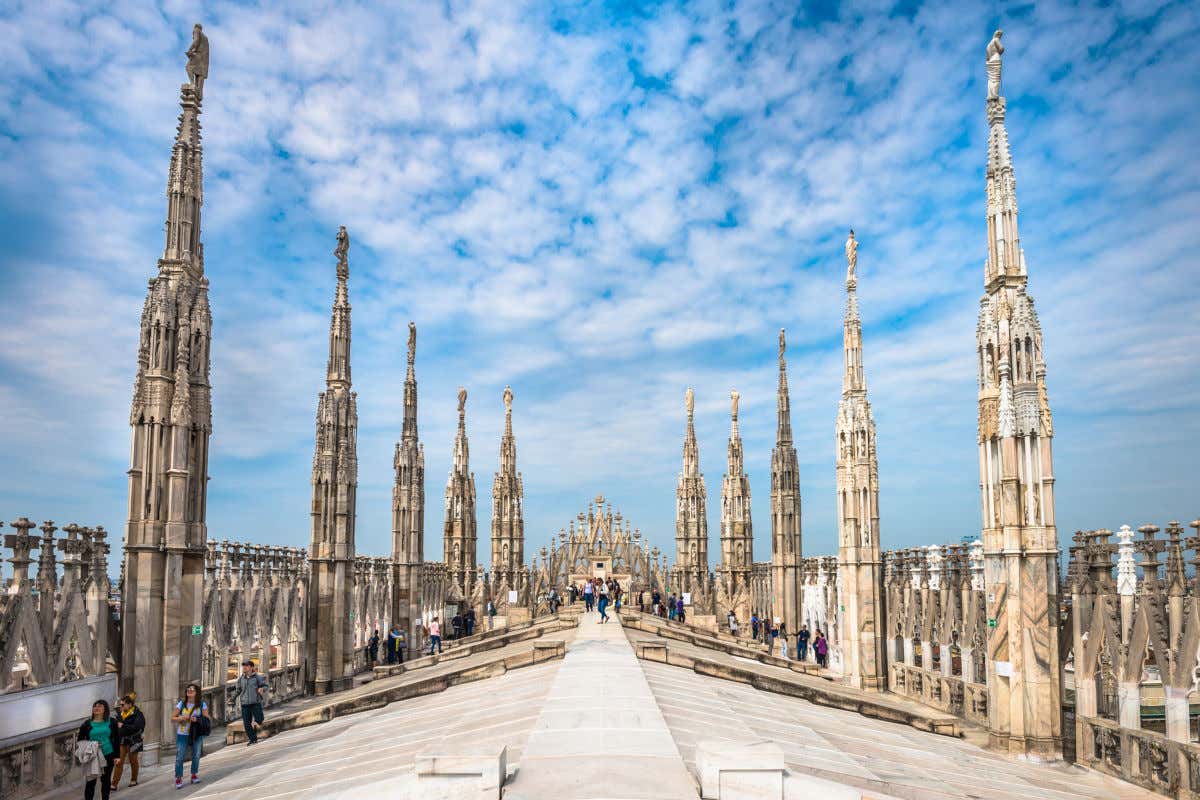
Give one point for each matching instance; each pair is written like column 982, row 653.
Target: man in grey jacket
column 251, row 688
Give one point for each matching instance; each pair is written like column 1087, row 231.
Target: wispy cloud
column 602, row 207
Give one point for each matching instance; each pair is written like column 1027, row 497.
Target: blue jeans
column 182, row 741
column 435, row 642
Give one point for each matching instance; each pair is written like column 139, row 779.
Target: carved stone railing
column 54, row 625
column 255, row 608
column 936, row 627
column 1146, row 758
column 1124, row 634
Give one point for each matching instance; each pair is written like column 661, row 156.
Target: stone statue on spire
column 412, row 342
column 995, row 53
column 851, row 256
column 689, row 400
column 197, row 59
column 462, row 401
column 508, row 398
column 782, row 345
column 341, row 252
column 734, row 396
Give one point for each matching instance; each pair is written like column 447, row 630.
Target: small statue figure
column 412, row 342
column 689, row 400
column 341, row 252
column 851, row 256
column 197, row 60
column 734, row 395
column 995, row 52
column 782, row 344
column 462, row 401
column 508, row 397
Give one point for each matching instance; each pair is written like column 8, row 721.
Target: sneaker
column 195, row 779
column 179, row 783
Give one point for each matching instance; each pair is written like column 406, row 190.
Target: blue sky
column 602, row 204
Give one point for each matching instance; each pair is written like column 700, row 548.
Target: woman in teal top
column 101, row 728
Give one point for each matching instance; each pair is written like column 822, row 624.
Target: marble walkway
column 602, row 724
column 876, row 757
column 600, row 734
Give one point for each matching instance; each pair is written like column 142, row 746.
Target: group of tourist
column 762, row 629
column 107, row 742
column 598, row 595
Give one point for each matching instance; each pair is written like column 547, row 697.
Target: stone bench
column 740, row 770
column 461, row 774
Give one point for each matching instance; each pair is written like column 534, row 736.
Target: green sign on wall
column 197, row 630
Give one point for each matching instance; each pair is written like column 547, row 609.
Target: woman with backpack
column 195, row 722
column 131, row 723
column 102, row 729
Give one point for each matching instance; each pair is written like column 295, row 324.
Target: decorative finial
column 689, row 400
column 462, row 401
column 508, row 397
column 995, row 53
column 412, row 343
column 341, row 252
column 197, row 60
column 734, row 396
column 782, row 345
column 851, row 256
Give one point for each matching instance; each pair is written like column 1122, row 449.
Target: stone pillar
column 330, row 625
column 860, row 562
column 1016, row 477
column 408, row 508
column 171, row 421
column 786, row 536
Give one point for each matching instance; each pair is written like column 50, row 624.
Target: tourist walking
column 102, row 729
column 469, row 621
column 373, row 649
column 602, row 605
column 802, row 643
column 195, row 722
column 732, row 624
column 656, row 601
column 679, row 610
column 671, row 607
column 456, row 624
column 491, row 614
column 783, row 648
column 132, row 723
column 754, row 626
column 435, row 636
column 588, row 595
column 553, row 600
column 821, row 649
column 251, row 690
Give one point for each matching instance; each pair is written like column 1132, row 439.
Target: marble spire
column 508, row 522
column 786, row 550
column 737, row 537
column 691, row 516
column 460, row 534
column 408, row 504
column 860, row 563
column 171, row 425
column 1016, row 469
column 334, row 501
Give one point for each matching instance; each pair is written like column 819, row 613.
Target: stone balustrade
column 1135, row 653
column 57, row 629
column 935, row 627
